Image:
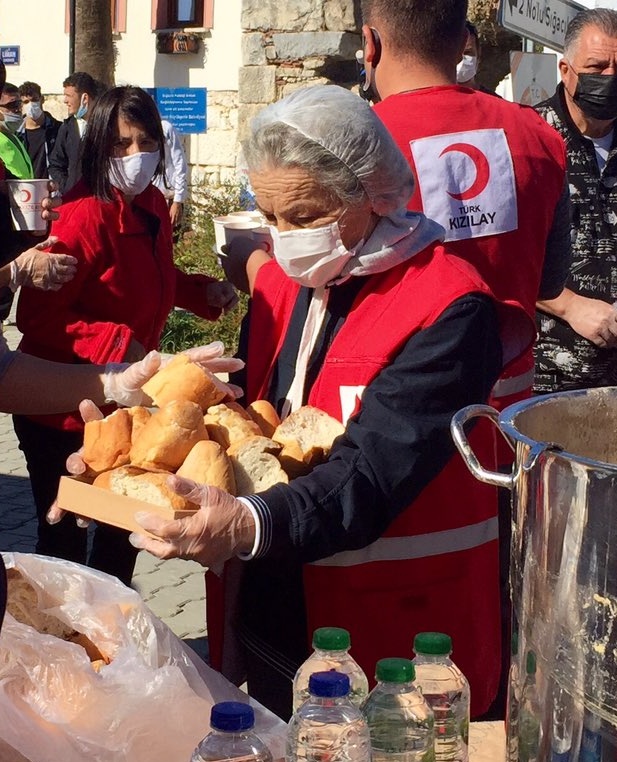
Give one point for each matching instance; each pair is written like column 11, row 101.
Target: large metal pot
column 563, row 570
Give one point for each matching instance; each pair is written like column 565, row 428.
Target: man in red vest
column 489, row 171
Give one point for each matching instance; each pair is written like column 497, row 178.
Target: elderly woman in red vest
column 364, row 314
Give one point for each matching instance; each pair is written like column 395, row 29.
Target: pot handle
column 457, row 429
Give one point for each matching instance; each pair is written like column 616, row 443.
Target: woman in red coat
column 116, row 224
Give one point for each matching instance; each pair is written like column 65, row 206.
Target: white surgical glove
column 222, row 527
column 123, row 382
column 36, row 268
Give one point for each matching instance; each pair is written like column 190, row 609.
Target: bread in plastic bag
column 151, row 703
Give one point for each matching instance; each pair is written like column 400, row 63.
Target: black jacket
column 565, row 360
column 65, row 159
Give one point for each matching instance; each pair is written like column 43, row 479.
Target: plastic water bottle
column 328, row 727
column 446, row 691
column 400, row 721
column 331, row 646
column 232, row 736
column 529, row 727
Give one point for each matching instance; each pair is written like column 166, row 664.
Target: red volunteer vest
column 491, row 172
column 436, row 567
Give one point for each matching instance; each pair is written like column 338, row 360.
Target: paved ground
column 174, row 590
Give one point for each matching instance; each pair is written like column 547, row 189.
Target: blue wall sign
column 184, row 107
column 9, row 54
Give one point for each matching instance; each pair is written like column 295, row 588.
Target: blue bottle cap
column 232, row 716
column 330, row 684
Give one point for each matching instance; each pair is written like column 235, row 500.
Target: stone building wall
column 285, row 45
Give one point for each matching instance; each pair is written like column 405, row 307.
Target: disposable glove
column 36, row 269
column 222, row 527
column 122, row 383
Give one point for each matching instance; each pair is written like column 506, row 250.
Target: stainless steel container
column 563, row 570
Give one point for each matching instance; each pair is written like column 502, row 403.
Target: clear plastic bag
column 150, row 704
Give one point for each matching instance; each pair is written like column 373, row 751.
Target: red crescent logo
column 26, row 196
column 483, row 170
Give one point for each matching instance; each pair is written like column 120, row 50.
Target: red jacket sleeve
column 191, row 295
column 51, row 325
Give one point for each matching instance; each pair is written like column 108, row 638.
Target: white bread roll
column 226, row 426
column 139, row 418
column 184, row 380
column 148, row 486
column 208, row 463
column 306, row 437
column 168, row 436
column 255, row 465
column 107, row 443
column 265, row 416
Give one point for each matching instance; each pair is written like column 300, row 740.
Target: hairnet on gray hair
column 341, row 143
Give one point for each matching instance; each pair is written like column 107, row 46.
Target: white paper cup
column 253, row 216
column 227, row 228
column 26, row 198
column 263, row 238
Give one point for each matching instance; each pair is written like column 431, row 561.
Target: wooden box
column 107, row 508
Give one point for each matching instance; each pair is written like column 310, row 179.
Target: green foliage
column 194, row 253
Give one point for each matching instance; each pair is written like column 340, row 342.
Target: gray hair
column 604, row 18
column 340, row 141
column 280, row 145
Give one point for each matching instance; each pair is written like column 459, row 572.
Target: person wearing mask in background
column 467, row 67
column 15, row 164
column 39, row 129
column 116, row 224
column 174, row 184
column 80, row 93
column 491, row 172
column 577, row 344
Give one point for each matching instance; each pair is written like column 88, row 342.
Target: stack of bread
column 196, row 431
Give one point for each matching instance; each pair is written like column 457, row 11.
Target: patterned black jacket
column 565, row 360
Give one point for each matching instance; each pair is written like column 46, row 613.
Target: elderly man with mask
column 577, row 341
column 363, row 314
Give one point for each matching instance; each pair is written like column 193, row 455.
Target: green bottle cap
column 331, row 639
column 395, row 671
column 531, row 663
column 433, row 643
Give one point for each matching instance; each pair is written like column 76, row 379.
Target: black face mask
column 596, row 95
column 367, row 86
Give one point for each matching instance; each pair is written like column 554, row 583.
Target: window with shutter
column 182, row 14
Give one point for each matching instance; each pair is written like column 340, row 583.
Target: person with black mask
column 577, row 344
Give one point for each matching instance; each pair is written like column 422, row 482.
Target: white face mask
column 312, row 257
column 12, row 122
column 466, row 69
column 33, row 109
column 132, row 174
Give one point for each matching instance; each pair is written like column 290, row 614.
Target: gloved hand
column 122, row 382
column 222, row 527
column 51, row 203
column 221, row 294
column 36, row 269
column 75, row 464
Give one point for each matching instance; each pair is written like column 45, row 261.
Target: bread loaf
column 184, row 381
column 148, row 486
column 23, row 605
column 265, row 416
column 306, row 437
column 255, row 465
column 139, row 418
column 208, row 463
column 107, row 442
column 226, row 426
column 168, row 436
